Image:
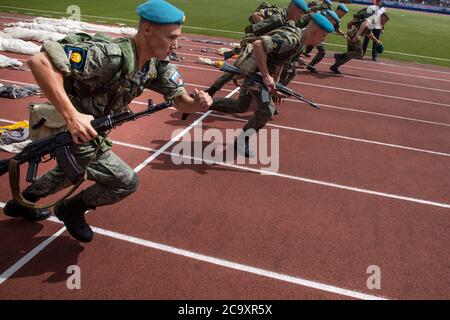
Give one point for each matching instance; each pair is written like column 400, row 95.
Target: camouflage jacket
column 282, row 45
column 101, row 75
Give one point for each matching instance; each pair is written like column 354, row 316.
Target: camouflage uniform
column 281, row 45
column 354, row 49
column 267, row 12
column 100, row 77
column 321, row 52
column 290, row 70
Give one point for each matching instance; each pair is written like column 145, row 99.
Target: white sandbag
column 86, row 26
column 19, row 46
column 6, row 62
column 32, row 34
column 45, row 26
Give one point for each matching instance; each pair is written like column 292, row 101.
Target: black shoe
column 374, row 59
column 14, row 209
column 71, row 212
column 335, row 69
column 244, row 148
column 311, row 68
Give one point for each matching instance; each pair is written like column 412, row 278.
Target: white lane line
column 30, row 255
column 321, row 86
column 208, row 29
column 390, row 72
column 297, row 178
column 384, row 81
column 204, row 115
column 218, row 262
column 177, row 137
column 322, row 105
column 19, row 264
column 334, row 88
column 369, row 63
column 296, row 101
column 342, row 76
column 371, row 93
column 341, row 137
column 239, row 267
column 398, row 66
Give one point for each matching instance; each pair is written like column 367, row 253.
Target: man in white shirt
column 357, row 28
column 377, row 10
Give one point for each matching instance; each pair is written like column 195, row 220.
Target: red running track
column 364, row 181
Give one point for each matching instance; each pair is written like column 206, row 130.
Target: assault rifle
column 57, row 146
column 256, row 77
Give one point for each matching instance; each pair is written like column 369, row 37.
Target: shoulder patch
column 277, row 43
column 77, row 56
column 177, row 79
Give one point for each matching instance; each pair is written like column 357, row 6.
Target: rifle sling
column 14, row 177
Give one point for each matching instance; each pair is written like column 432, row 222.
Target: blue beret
column 333, row 15
column 301, row 4
column 323, row 22
column 342, row 7
column 160, row 12
column 328, row 2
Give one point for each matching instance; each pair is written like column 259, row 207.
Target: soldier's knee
column 241, row 108
column 130, row 184
column 133, row 183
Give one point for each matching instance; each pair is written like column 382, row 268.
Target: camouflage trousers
column 263, row 113
column 224, row 78
column 319, row 55
column 354, row 50
column 114, row 179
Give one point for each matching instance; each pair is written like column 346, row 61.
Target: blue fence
column 409, row 6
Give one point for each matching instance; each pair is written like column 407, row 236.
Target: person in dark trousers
column 377, row 31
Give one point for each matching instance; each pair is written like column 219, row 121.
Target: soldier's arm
column 200, row 102
column 277, row 73
column 361, row 30
column 170, row 84
column 50, row 80
column 261, row 61
column 373, row 38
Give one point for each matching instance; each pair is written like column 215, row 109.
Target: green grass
column 407, row 32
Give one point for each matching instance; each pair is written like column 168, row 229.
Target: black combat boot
column 244, row 148
column 335, row 69
column 14, row 209
column 71, row 212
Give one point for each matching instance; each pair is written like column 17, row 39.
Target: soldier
column 264, row 20
column 268, row 54
column 354, row 46
column 294, row 10
column 94, row 78
column 341, row 11
column 314, row 6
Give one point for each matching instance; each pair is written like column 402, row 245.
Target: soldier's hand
column 80, row 128
column 203, row 99
column 269, row 82
column 278, row 97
